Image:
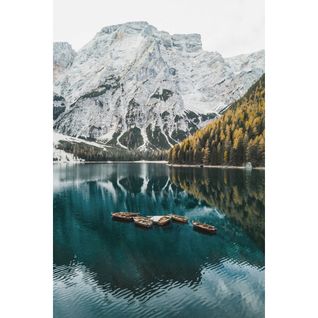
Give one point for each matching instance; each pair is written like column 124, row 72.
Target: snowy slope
column 59, row 155
column 136, row 87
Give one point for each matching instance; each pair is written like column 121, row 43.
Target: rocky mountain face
column 135, row 87
column 63, row 56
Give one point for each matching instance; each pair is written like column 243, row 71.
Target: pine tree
column 206, row 153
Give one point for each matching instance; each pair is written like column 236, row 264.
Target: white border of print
column 26, row 159
column 26, row 163
column 291, row 148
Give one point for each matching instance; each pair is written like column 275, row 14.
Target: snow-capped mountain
column 136, row 87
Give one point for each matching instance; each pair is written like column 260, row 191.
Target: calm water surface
column 104, row 268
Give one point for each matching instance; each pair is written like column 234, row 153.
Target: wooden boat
column 178, row 218
column 164, row 220
column 160, row 219
column 124, row 216
column 207, row 228
column 143, row 221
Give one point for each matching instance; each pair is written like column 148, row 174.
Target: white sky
column 230, row 27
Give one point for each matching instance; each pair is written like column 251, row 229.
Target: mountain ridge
column 135, row 87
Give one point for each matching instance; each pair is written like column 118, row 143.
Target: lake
column 104, row 268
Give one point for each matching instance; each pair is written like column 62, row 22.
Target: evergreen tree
column 206, row 153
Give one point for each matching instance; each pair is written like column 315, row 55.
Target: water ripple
column 76, row 290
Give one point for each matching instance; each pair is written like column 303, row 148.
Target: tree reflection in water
column 239, row 194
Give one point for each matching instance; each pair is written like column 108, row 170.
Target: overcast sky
column 230, row 27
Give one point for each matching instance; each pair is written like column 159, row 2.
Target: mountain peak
column 63, row 54
column 185, row 42
column 136, row 27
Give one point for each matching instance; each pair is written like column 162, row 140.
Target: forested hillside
column 235, row 138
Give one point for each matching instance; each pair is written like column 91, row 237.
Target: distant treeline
column 235, row 138
column 93, row 153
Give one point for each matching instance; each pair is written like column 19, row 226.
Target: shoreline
column 211, row 166
column 105, row 162
column 160, row 162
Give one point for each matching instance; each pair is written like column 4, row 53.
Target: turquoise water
column 104, row 268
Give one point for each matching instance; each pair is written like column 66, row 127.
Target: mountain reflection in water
column 105, row 267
